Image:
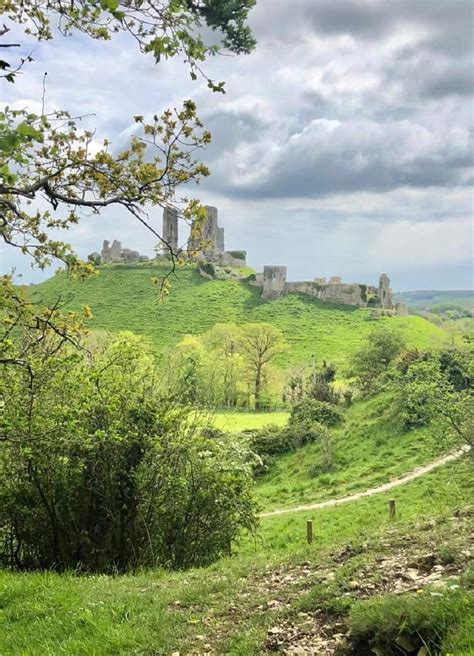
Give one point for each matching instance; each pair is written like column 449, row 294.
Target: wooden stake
column 391, row 508
column 309, row 531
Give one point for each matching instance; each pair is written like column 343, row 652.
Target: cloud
column 348, row 126
column 332, row 157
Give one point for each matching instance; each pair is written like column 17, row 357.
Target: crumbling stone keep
column 210, row 239
column 274, row 279
column 385, row 293
column 111, row 253
column 170, row 229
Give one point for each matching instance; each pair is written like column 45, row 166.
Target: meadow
column 235, row 422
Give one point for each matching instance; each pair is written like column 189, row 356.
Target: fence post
column 309, row 531
column 391, row 508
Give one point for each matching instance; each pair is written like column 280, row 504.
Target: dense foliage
column 310, row 411
column 227, row 366
column 101, row 473
column 375, row 357
column 431, row 387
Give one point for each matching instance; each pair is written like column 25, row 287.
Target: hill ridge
column 122, row 297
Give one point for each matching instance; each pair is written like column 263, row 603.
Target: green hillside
column 370, row 448
column 426, row 299
column 122, row 297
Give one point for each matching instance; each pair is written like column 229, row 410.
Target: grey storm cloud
column 329, row 157
column 445, row 23
column 361, row 96
column 352, row 120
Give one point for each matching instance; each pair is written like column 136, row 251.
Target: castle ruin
column 274, row 284
column 206, row 244
column 114, row 252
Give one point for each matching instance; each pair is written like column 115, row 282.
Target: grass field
column 234, row 422
column 369, row 448
column 438, row 492
column 122, row 298
column 155, row 613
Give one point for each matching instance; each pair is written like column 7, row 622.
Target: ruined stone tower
column 385, row 293
column 274, row 278
column 111, row 253
column 170, row 229
column 211, row 238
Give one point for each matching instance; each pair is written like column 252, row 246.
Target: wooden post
column 391, row 508
column 309, row 531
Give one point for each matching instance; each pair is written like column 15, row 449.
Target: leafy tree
column 50, row 159
column 374, row 358
column 319, row 384
column 261, row 343
column 164, row 29
column 222, row 342
column 101, row 473
column 436, row 389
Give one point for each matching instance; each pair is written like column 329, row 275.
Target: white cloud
column 351, row 118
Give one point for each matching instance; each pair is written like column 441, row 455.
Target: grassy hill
column 369, row 448
column 122, row 298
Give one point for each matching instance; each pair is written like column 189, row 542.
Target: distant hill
column 122, row 297
column 426, row 299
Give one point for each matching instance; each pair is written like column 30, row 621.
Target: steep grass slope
column 122, row 298
column 370, row 448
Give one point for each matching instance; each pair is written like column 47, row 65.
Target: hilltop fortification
column 206, row 245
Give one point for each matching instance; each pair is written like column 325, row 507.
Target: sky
column 343, row 145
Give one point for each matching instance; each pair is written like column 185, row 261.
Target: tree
column 164, row 29
column 100, row 472
column 49, row 158
column 223, row 342
column 261, row 343
column 375, row 357
column 436, row 389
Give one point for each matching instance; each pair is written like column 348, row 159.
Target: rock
column 424, row 562
column 274, row 603
column 275, row 630
column 354, row 585
column 412, row 574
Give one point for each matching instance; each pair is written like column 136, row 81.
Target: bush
column 104, row 475
column 311, row 411
column 273, row 441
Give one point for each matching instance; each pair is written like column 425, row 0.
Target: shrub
column 312, row 411
column 104, row 475
column 273, row 441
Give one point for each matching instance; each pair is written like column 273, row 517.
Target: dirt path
column 416, row 473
